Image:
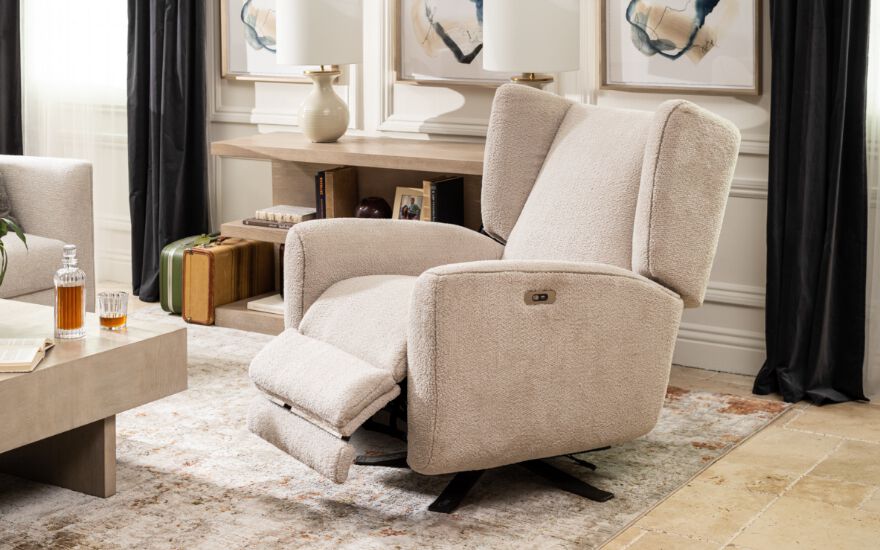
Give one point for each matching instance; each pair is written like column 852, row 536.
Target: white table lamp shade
column 319, row 32
column 529, row 36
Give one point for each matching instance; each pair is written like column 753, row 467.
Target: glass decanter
column 70, row 297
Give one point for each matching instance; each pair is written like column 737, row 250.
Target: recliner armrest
column 496, row 378
column 321, row 253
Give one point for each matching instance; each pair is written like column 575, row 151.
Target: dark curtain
column 817, row 212
column 10, row 79
column 167, row 141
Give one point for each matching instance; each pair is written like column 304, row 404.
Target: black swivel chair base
column 462, row 483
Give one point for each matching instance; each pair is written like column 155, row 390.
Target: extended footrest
column 319, row 395
column 321, row 451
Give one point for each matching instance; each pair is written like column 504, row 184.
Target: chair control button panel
column 539, row 297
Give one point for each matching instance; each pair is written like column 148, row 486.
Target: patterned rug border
column 786, row 408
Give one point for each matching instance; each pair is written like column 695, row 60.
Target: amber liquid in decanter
column 70, row 299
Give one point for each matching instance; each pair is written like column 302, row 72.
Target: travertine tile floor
column 809, row 480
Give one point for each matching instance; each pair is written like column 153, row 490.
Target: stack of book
column 281, row 216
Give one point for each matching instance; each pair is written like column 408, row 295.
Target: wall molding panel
column 726, row 338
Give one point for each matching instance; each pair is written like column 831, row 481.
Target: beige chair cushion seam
column 434, row 364
column 646, row 284
column 654, row 186
column 302, row 278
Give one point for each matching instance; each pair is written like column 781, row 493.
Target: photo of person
column 409, row 203
column 411, row 208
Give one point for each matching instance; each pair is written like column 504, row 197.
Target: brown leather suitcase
column 222, row 272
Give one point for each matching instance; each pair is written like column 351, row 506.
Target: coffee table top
column 24, row 320
column 82, row 381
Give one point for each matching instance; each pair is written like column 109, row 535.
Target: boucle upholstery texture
column 320, row 253
column 689, row 162
column 583, row 203
column 494, row 381
column 52, row 198
column 35, row 265
column 616, row 212
column 322, row 383
column 373, row 311
column 522, row 126
column 328, row 455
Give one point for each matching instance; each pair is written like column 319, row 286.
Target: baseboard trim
column 732, row 294
column 719, row 348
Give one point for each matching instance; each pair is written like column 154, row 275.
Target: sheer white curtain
column 74, row 105
column 872, row 352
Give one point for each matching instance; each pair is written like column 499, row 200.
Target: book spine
column 267, row 223
column 435, row 207
column 328, row 198
column 320, row 196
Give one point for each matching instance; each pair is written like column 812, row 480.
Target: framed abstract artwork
column 247, row 40
column 441, row 42
column 682, row 46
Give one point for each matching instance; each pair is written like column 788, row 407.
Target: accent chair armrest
column 496, row 378
column 321, row 253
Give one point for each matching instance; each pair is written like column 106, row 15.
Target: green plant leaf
column 2, row 263
column 18, row 232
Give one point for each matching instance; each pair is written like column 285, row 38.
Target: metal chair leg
column 391, row 460
column 567, row 483
column 454, row 493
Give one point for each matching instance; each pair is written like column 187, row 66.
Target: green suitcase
column 171, row 271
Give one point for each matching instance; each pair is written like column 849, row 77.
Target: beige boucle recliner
column 550, row 336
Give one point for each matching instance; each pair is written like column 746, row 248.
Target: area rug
column 191, row 476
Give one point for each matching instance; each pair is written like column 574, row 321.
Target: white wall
column 725, row 334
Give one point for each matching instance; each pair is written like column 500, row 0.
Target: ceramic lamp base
column 323, row 115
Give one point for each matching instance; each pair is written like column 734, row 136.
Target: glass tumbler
column 113, row 309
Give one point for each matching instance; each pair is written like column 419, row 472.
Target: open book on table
column 22, row 354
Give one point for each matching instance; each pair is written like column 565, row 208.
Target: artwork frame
column 399, row 53
column 230, row 45
column 415, row 194
column 755, row 89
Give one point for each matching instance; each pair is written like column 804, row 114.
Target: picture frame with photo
column 247, row 43
column 681, row 46
column 409, row 204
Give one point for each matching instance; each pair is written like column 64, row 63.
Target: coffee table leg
column 82, row 459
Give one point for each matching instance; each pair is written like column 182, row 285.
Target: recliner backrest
column 639, row 190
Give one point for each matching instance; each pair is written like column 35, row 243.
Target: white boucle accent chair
column 614, row 213
column 52, row 199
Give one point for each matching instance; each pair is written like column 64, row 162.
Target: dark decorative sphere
column 373, row 207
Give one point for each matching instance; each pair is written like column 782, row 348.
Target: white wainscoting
column 726, row 334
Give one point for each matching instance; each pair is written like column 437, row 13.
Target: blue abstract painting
column 662, row 28
column 442, row 39
column 704, row 46
column 259, row 25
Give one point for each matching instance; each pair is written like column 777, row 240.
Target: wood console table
column 383, row 165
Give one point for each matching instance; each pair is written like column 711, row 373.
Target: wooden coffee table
column 58, row 423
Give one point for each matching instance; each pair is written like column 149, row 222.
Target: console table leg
column 82, row 459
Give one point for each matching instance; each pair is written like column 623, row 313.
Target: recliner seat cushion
column 366, row 317
column 30, row 269
column 321, row 383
